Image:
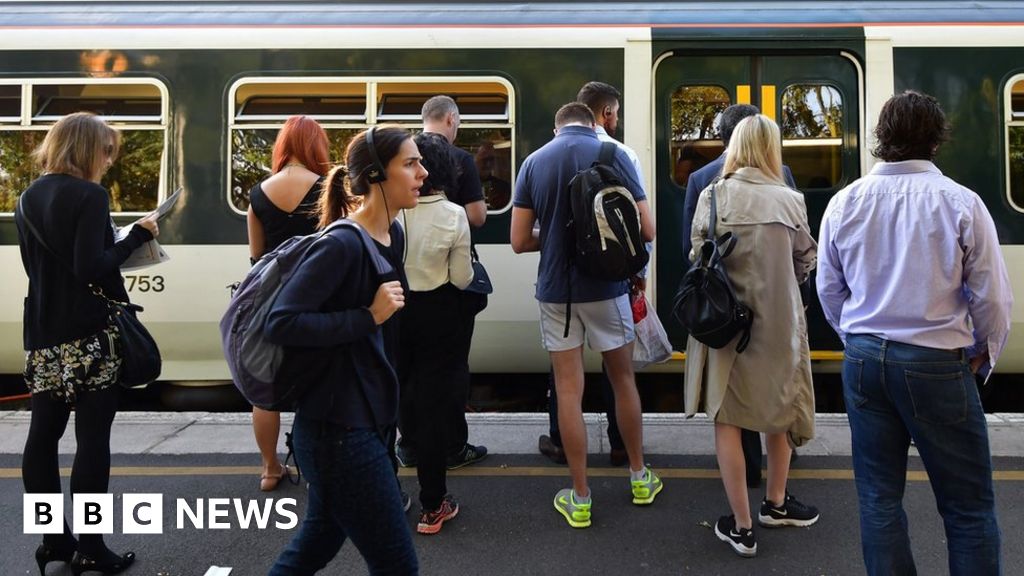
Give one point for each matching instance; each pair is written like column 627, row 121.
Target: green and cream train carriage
column 199, row 89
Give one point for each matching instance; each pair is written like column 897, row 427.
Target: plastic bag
column 651, row 345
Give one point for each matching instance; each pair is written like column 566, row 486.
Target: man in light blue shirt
column 911, row 277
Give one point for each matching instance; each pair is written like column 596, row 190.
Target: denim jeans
column 353, row 493
column 897, row 392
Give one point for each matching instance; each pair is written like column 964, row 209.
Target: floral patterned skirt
column 84, row 365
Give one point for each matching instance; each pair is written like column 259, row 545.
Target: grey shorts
column 606, row 324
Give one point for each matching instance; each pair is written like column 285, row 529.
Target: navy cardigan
column 333, row 348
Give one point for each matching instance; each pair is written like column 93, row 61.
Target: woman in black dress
column 72, row 351
column 282, row 206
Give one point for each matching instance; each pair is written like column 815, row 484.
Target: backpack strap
column 607, row 154
column 380, row 263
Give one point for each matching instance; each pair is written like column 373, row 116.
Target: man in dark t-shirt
column 441, row 116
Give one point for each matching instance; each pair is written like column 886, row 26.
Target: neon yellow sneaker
column 645, row 490
column 578, row 515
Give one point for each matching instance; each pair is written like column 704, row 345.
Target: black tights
column 94, row 414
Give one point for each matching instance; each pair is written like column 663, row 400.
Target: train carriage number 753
column 145, row 283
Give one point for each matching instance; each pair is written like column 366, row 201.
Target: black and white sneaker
column 791, row 513
column 406, row 501
column 742, row 540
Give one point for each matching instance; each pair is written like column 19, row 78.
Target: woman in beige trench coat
column 766, row 388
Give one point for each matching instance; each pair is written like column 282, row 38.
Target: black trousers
column 465, row 314
column 90, row 473
column 429, row 371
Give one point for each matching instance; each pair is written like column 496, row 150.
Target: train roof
column 414, row 13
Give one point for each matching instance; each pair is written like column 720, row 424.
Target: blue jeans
column 353, row 493
column 897, row 392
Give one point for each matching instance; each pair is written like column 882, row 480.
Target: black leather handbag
column 140, row 356
column 706, row 304
column 481, row 283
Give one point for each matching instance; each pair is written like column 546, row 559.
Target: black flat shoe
column 46, row 554
column 82, row 563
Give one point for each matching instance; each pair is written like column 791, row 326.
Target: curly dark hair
column 437, row 158
column 911, row 126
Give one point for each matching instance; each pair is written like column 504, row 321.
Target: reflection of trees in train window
column 1015, row 142
column 17, row 170
column 812, row 134
column 1016, row 161
column 134, row 179
column 251, row 151
column 492, row 150
column 695, row 113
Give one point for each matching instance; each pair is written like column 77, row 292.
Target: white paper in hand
column 148, row 254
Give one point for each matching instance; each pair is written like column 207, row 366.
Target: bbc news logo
column 144, row 513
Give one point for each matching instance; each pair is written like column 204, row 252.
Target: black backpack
column 604, row 226
column 605, row 222
column 706, row 304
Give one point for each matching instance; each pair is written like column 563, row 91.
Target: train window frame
column 376, row 90
column 835, row 141
column 28, row 121
column 1012, row 119
column 714, row 142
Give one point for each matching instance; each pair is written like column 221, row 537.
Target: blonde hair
column 77, row 145
column 756, row 143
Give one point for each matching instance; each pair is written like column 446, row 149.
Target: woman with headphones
column 333, row 314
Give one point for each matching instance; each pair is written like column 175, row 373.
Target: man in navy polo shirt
column 600, row 309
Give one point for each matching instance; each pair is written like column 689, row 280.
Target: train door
column 815, row 98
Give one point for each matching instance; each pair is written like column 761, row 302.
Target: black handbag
column 706, row 304
column 481, row 283
column 140, row 356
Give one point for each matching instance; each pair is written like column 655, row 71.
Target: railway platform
column 506, row 525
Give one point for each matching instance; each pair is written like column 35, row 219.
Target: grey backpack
column 253, row 361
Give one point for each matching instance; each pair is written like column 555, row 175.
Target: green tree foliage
column 134, row 179
column 17, row 170
column 812, row 111
column 695, row 111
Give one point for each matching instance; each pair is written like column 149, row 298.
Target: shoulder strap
column 21, row 218
column 607, row 154
column 714, row 212
column 380, row 263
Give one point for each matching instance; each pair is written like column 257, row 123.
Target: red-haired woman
column 282, row 206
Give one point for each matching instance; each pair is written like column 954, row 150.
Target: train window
column 812, row 134
column 492, row 150
column 1015, row 141
column 251, row 157
column 10, row 103
column 695, row 138
column 137, row 108
column 261, row 105
column 112, row 101
column 477, row 101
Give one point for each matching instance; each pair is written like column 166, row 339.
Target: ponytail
column 335, row 201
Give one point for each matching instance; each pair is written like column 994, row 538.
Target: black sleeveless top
column 279, row 225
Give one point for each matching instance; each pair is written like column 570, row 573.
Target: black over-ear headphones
column 377, row 172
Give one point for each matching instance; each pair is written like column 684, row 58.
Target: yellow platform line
column 816, row 356
column 506, row 472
